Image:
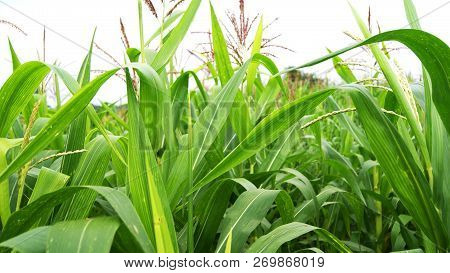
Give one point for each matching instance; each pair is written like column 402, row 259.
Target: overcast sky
column 307, row 27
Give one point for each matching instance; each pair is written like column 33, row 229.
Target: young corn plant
column 244, row 165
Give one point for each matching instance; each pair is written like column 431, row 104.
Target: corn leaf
column 267, row 131
column 58, row 122
column 172, row 43
column 272, row 241
column 22, row 220
column 33, row 241
column 17, row 91
column 397, row 162
column 91, row 171
column 144, row 179
column 432, row 52
column 244, row 216
column 83, row 236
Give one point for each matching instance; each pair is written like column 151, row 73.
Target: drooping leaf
column 272, row 241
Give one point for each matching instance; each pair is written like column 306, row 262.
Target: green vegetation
column 259, row 162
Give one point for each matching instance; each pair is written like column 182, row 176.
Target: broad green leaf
column 344, row 168
column 244, row 216
column 351, row 127
column 285, row 207
column 210, row 206
column 58, row 122
column 18, row 90
column 5, row 208
column 83, row 236
column 33, row 241
column 267, row 98
column 24, row 219
column 437, row 137
column 239, row 114
column 272, row 241
column 279, row 152
column 402, row 95
column 48, row 181
column 73, row 87
column 308, row 209
column 221, row 56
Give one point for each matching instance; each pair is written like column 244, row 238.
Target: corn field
column 233, row 160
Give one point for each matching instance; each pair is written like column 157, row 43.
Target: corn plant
column 242, row 165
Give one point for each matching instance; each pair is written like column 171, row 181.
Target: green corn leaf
column 15, row 60
column 244, row 216
column 145, row 181
column 432, row 52
column 209, row 207
column 77, row 129
column 166, row 26
column 278, row 153
column 24, row 219
column 272, row 241
column 209, row 124
column 73, row 87
column 340, row 163
column 58, row 122
column 267, row 131
column 309, row 208
column 33, row 241
column 17, row 91
column 437, row 137
column 221, row 56
column 83, row 236
column 170, row 46
column 285, row 207
column 253, row 69
column 239, row 115
column 397, row 162
column 91, row 171
column 48, row 181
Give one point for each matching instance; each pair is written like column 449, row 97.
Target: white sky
column 307, row 27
